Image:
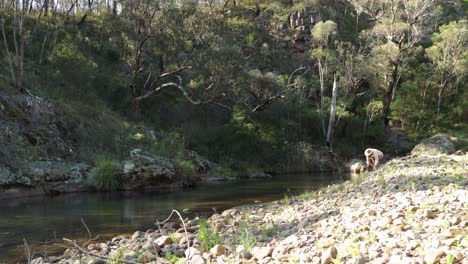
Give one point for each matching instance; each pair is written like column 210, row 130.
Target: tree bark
column 41, row 54
column 389, row 93
column 10, row 61
column 331, row 122
column 114, row 8
column 322, row 91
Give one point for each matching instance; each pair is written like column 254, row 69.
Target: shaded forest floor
column 411, row 210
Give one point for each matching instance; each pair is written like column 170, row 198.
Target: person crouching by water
column 373, row 156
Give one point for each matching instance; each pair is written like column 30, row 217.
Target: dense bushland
column 246, row 83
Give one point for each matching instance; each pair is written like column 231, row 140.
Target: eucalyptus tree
column 398, row 27
column 323, row 35
column 157, row 48
column 449, row 56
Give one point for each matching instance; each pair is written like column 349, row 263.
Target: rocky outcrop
column 201, row 164
column 44, row 177
column 144, row 169
column 7, row 178
column 433, row 146
column 258, row 175
column 47, row 171
column 33, row 129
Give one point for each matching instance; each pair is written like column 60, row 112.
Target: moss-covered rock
column 144, row 168
column 433, row 146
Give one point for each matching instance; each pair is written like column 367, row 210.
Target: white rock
column 163, row 241
column 217, row 250
column 261, row 252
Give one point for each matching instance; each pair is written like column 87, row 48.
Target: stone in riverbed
column 191, row 251
column 358, row 260
column 138, row 234
column 130, row 255
column 197, row 259
column 429, row 213
column 434, row 146
column 183, row 241
column 328, row 255
column 37, row 261
column 261, row 252
column 454, row 231
column 434, row 255
column 163, row 241
column 147, row 257
column 217, row 250
column 230, row 212
column 151, row 247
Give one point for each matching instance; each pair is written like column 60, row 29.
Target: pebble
column 434, row 255
column 261, row 252
column 328, row 255
column 217, row 250
column 163, row 241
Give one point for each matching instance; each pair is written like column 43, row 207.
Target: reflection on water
column 39, row 219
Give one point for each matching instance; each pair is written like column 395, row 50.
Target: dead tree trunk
column 322, row 92
column 331, row 122
column 390, row 93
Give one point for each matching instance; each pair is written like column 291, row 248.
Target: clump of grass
column 380, row 180
column 308, row 196
column 105, row 176
column 267, row 232
column 286, row 201
column 207, row 236
column 173, row 258
column 246, row 238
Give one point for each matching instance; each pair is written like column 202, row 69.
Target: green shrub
column 207, row 236
column 105, row 176
column 186, row 167
column 171, row 145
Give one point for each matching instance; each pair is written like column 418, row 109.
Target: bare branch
column 185, row 230
column 101, row 257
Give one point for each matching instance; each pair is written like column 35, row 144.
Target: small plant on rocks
column 207, row 236
column 449, row 259
column 286, row 200
column 247, row 238
column 116, row 260
column 173, row 258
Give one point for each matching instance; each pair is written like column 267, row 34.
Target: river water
column 39, row 220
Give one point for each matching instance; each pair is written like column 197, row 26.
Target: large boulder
column 146, row 169
column 79, row 173
column 45, row 174
column 47, row 171
column 433, row 146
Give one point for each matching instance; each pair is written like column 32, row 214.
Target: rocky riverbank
column 411, row 210
column 48, row 148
